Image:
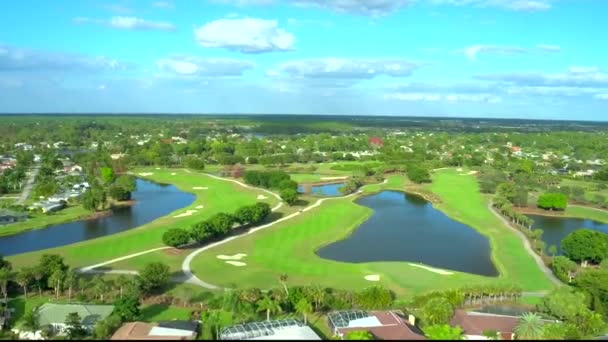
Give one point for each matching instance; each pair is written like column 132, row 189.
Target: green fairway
column 221, row 196
column 40, row 220
column 289, row 248
column 587, row 213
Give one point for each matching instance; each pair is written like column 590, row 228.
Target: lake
column 152, row 200
column 556, row 228
column 406, row 227
column 329, row 190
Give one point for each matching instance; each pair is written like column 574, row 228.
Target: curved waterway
column 330, row 190
column 556, row 228
column 406, row 227
column 152, row 200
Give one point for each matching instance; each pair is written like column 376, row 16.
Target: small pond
column 329, row 190
column 556, row 228
column 152, row 201
column 406, row 227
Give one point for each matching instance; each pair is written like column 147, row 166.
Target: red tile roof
column 477, row 323
column 393, row 328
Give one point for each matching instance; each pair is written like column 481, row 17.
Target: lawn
column 221, row 196
column 40, row 220
column 288, row 248
column 163, row 312
column 587, row 213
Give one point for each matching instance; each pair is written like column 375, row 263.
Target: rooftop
column 148, row 331
column 384, row 325
column 287, row 329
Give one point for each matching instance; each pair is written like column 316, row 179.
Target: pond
column 152, row 201
column 406, row 227
column 555, row 228
column 330, row 190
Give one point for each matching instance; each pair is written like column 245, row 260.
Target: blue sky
column 544, row 59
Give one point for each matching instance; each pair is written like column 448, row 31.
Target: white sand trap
column 200, row 188
column 199, row 207
column 472, row 172
column 459, row 169
column 187, row 213
column 158, row 168
column 236, row 263
column 237, row 256
column 262, row 197
column 173, row 173
column 330, row 178
column 372, row 277
column 146, row 174
column 435, row 270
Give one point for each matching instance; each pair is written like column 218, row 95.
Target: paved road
column 30, row 183
column 536, row 257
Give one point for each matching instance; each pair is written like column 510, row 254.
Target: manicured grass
column 39, row 220
column 23, row 305
column 222, row 196
column 394, row 182
column 308, row 177
column 289, row 248
column 162, row 312
column 587, row 213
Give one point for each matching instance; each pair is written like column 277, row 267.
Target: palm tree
column 304, row 307
column 283, row 279
column 56, row 280
column 317, row 294
column 122, row 281
column 268, row 305
column 71, row 279
column 24, row 278
column 5, row 276
column 529, row 327
column 39, row 273
column 99, row 286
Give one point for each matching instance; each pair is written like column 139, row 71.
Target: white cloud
column 17, row 59
column 118, row 8
column 185, row 65
column 372, row 8
column 128, row 23
column 347, row 68
column 163, row 4
column 549, row 47
column 102, row 87
column 602, row 96
column 487, row 98
column 573, row 78
column 413, row 97
column 247, row 35
column 472, row 51
column 513, row 5
column 450, row 97
column 583, row 70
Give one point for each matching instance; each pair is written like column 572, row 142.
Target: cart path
column 536, row 257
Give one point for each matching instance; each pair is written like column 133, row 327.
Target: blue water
column 324, row 190
column 407, row 228
column 555, row 229
column 152, row 201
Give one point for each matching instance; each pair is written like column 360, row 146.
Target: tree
column 529, row 327
column 283, row 280
column 418, row 174
column 47, row 332
column 374, row 297
column 268, row 305
column 584, row 245
column 507, row 190
column 290, row 196
column 94, row 198
column 127, row 308
column 553, row 250
column 24, row 278
column 244, row 215
column 221, row 223
column 564, row 303
column 99, row 286
column 437, row 311
column 563, row 267
column 75, row 331
column 176, row 237
column 119, row 193
column 555, row 331
column 194, row 163
column 444, row 332
column 359, row 335
column 105, row 328
column 107, row 175
column 31, row 321
column 5, row 276
column 154, row 275
column 303, row 307
column 70, row 281
column 56, row 280
column 491, row 334
column 552, row 201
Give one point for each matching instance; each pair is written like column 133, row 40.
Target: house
column 70, row 169
column 179, row 140
column 24, row 146
column 81, row 186
column 65, row 196
column 587, row 173
column 286, row 329
column 116, row 156
column 376, row 142
column 47, row 206
column 384, row 325
column 167, row 330
column 9, row 216
column 475, row 324
column 56, row 314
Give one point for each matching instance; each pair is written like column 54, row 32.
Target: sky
column 536, row 59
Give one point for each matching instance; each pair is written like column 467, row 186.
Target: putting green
column 288, row 248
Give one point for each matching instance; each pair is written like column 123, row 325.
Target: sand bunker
column 472, row 172
column 187, row 213
column 459, row 169
column 236, row 263
column 237, row 256
column 372, row 277
column 468, row 174
column 158, row 168
column 199, row 207
column 262, row 197
column 173, row 173
column 330, row 178
column 435, row 270
column 200, row 188
column 146, row 174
